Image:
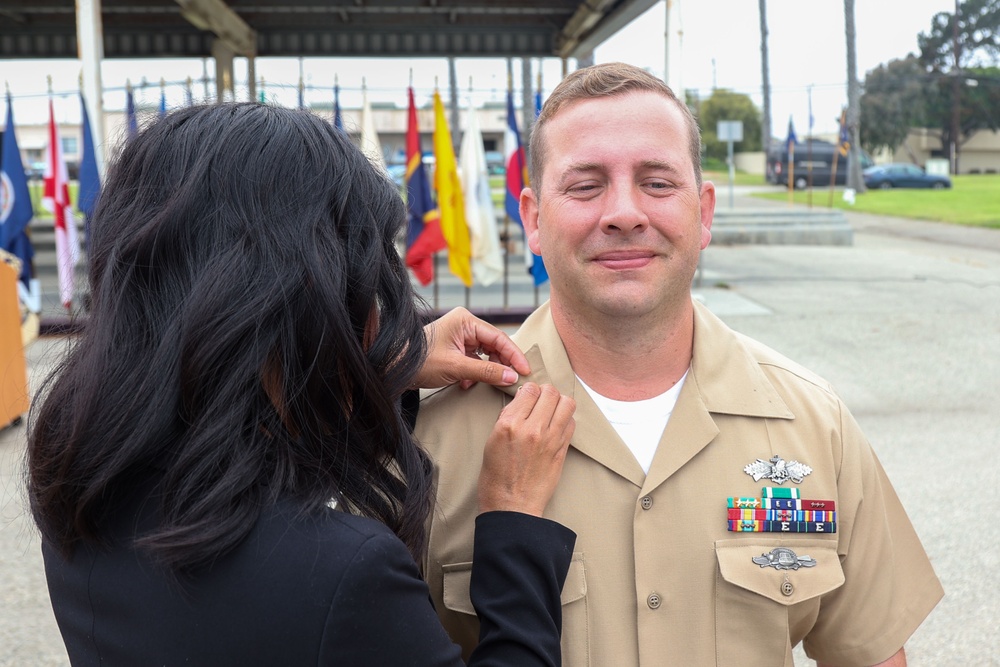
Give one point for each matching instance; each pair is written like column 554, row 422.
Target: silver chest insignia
column 777, row 470
column 784, row 559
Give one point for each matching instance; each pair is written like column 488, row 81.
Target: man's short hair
column 607, row 80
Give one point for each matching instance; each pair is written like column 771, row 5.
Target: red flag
column 423, row 233
column 56, row 199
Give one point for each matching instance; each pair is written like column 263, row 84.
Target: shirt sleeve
column 890, row 586
column 382, row 614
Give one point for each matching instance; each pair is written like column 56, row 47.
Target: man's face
column 620, row 219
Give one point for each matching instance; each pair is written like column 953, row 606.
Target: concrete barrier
column 777, row 226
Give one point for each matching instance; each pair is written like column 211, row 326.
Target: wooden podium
column 13, row 370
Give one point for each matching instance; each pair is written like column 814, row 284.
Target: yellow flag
column 451, row 203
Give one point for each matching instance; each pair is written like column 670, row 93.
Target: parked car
column 888, row 176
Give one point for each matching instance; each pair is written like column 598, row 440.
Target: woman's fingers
column 454, row 345
column 524, row 455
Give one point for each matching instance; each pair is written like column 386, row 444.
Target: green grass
column 973, row 200
column 721, row 178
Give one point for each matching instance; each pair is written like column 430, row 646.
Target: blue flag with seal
column 90, row 178
column 15, row 200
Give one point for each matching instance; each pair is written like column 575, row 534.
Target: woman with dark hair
column 221, row 469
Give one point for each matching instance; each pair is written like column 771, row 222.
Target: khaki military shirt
column 657, row 578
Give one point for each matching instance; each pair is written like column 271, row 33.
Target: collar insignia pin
column 777, row 470
column 783, row 559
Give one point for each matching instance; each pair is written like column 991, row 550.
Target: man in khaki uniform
column 681, row 422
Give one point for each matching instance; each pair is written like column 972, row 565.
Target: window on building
column 69, row 145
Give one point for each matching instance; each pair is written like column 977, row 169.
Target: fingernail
column 509, row 376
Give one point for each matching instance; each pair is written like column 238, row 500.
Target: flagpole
column 435, row 258
column 809, row 152
column 790, row 141
column 791, row 174
column 833, row 176
column 468, row 289
column 538, row 93
column 434, row 188
column 836, row 153
column 506, row 258
column 506, row 219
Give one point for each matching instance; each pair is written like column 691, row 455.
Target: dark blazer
column 324, row 589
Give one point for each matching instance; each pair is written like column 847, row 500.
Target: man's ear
column 707, row 212
column 529, row 218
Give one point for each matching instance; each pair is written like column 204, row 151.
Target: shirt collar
column 723, row 371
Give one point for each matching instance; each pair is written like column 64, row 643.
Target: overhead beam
column 594, row 22
column 217, row 17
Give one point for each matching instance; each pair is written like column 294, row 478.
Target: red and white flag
column 56, row 200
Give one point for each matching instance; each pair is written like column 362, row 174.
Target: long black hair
column 252, row 330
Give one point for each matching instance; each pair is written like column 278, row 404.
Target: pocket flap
column 794, row 583
column 458, row 578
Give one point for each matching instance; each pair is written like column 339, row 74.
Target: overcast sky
column 718, row 44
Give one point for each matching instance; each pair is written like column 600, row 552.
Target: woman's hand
column 524, row 455
column 455, row 342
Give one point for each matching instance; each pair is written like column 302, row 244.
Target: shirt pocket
column 759, row 607
column 575, row 619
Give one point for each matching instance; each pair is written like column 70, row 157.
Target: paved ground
column 906, row 324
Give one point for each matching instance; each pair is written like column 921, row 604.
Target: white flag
column 487, row 262
column 370, row 144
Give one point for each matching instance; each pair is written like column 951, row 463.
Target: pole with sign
column 730, row 131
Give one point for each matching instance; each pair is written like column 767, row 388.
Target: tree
column 896, row 98
column 728, row 105
column 957, row 44
column 902, row 94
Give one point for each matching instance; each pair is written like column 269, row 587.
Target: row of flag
column 16, row 210
column 463, row 220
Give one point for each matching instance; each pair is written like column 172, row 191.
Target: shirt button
column 646, row 502
column 653, row 600
column 787, row 588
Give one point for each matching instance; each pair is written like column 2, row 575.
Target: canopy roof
column 362, row 28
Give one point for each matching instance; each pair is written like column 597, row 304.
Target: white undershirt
column 639, row 424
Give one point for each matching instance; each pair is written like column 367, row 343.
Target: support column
column 90, row 40
column 204, row 80
column 225, row 89
column 252, row 78
column 527, row 103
